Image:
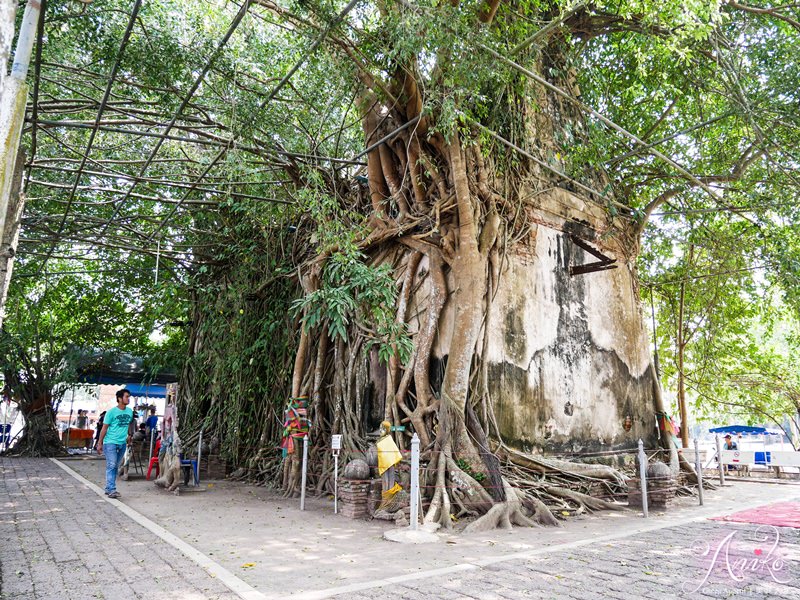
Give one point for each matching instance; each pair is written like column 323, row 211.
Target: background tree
column 54, row 324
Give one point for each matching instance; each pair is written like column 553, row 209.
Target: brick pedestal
column 213, row 467
column 659, row 493
column 353, row 496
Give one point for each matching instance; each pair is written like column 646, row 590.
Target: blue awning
column 741, row 430
column 142, row 390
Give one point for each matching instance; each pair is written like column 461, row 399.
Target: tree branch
column 771, row 12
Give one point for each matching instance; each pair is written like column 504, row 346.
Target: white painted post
column 303, row 479
column 199, row 452
column 643, row 477
column 152, row 441
column 27, row 36
column 719, row 461
column 698, row 465
column 13, row 99
column 6, row 405
column 336, row 483
column 336, row 446
column 415, row 482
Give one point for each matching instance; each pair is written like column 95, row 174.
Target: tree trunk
column 681, row 352
column 39, row 436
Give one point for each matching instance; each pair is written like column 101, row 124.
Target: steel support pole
column 199, row 453
column 336, row 482
column 643, row 477
column 303, row 479
column 415, row 482
column 699, row 468
column 720, row 466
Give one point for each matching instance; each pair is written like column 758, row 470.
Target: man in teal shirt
column 116, row 433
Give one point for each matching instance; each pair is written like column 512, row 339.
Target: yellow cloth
column 388, row 454
column 389, row 493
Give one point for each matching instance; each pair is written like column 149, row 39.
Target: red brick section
column 353, row 498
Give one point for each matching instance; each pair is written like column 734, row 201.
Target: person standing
column 151, row 423
column 115, row 435
column 99, row 428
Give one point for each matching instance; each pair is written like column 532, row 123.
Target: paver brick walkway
column 662, row 564
column 60, row 541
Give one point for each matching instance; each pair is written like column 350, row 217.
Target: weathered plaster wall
column 568, row 356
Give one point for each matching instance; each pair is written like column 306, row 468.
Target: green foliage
column 242, row 342
column 739, row 336
column 354, row 294
column 710, row 86
column 467, row 468
column 54, row 322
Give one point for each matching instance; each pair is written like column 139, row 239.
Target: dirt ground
column 267, row 541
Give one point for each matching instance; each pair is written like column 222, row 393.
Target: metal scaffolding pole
column 13, row 100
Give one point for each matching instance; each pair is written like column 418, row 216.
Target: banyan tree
column 475, row 281
column 513, row 260
column 460, row 195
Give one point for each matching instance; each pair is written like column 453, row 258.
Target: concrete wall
column 569, row 357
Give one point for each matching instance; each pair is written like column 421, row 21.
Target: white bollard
column 336, row 446
column 643, row 477
column 303, row 478
column 719, row 461
column 415, row 482
column 698, row 465
column 152, row 441
column 199, row 452
column 335, row 483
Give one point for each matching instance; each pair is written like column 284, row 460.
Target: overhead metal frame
column 104, row 172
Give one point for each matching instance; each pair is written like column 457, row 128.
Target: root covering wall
column 568, row 356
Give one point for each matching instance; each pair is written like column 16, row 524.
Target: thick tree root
column 503, row 514
column 545, row 466
column 536, row 490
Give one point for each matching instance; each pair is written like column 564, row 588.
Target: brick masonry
column 660, row 565
column 60, row 541
column 353, row 497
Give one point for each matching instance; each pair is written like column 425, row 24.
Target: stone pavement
column 705, row 559
column 61, row 541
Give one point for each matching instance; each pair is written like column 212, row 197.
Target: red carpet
column 780, row 514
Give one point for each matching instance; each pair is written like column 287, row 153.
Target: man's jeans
column 114, row 454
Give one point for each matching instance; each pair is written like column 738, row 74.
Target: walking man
column 116, row 433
